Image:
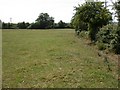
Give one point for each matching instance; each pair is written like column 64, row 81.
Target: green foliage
column 108, row 36
column 6, row 25
column 44, row 21
column 94, row 14
column 115, row 42
column 61, row 24
column 34, row 26
column 84, row 34
column 9, row 26
column 117, row 7
column 22, row 25
column 78, row 24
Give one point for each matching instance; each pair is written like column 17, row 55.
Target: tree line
column 94, row 20
column 44, row 21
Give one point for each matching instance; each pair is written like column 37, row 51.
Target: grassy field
column 53, row 59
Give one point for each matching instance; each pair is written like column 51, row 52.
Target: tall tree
column 45, row 21
column 95, row 15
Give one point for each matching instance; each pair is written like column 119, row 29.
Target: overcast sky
column 28, row 10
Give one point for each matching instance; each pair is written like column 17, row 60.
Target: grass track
column 53, row 59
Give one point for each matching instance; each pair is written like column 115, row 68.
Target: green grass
column 53, row 59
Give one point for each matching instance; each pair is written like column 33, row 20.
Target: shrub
column 106, row 34
column 84, row 34
column 115, row 42
column 108, row 37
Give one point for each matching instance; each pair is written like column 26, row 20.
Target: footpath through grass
column 53, row 59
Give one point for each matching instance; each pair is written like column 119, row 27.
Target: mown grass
column 53, row 59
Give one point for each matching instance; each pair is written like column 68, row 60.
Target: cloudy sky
column 28, row 10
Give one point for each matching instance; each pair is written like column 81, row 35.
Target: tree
column 44, row 21
column 22, row 25
column 115, row 43
column 61, row 24
column 94, row 14
column 109, row 36
column 78, row 24
column 117, row 7
column 7, row 25
column 34, row 26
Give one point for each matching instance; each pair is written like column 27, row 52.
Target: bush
column 84, row 34
column 106, row 34
column 108, row 37
column 115, row 42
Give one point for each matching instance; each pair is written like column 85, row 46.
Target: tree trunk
column 93, row 30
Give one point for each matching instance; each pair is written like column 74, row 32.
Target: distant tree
column 34, row 26
column 56, row 25
column 4, row 25
column 14, row 26
column 7, row 25
column 68, row 25
column 22, row 25
column 44, row 21
column 61, row 24
column 95, row 15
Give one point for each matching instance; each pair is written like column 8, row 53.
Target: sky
column 29, row 10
